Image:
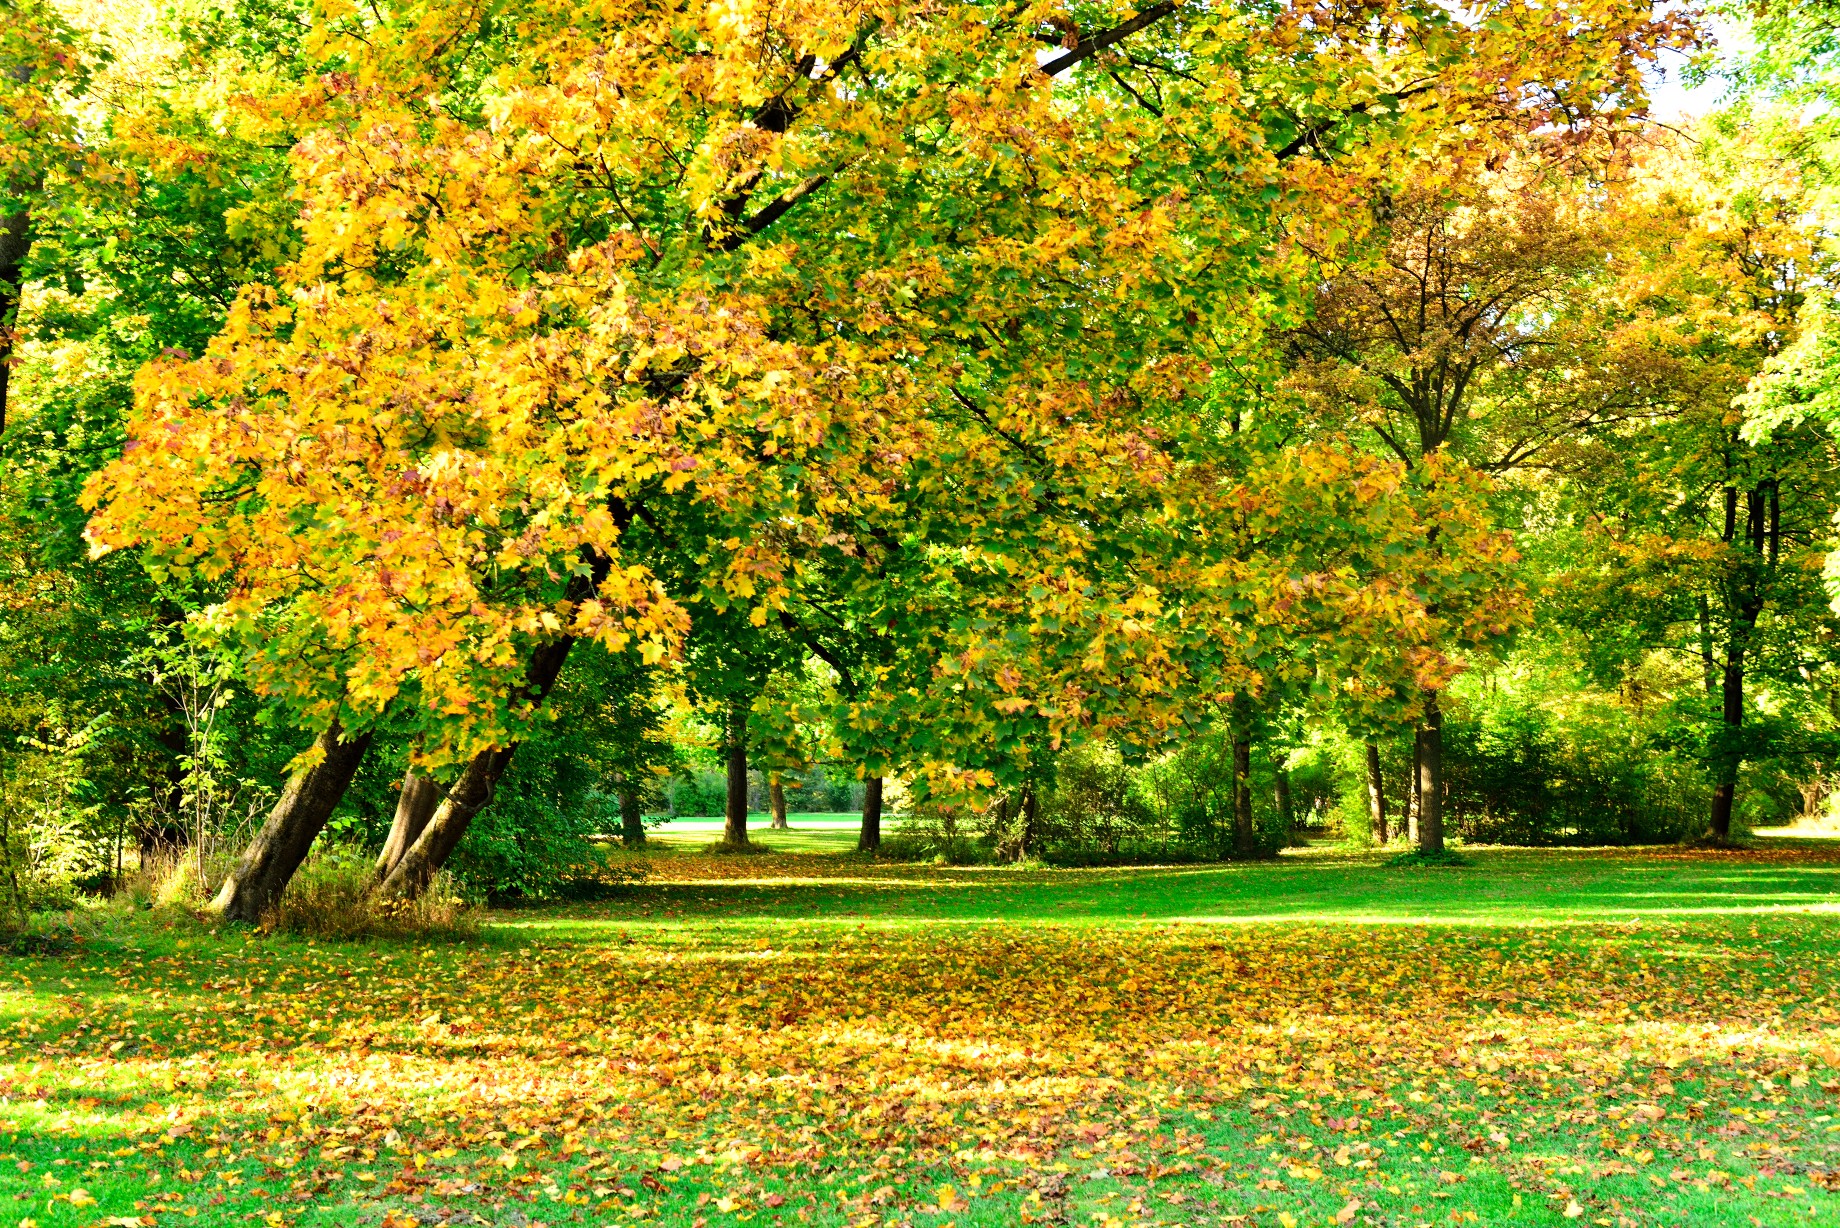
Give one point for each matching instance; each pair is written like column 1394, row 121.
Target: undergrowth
column 333, row 897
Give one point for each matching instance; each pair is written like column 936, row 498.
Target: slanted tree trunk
column 469, row 794
column 735, row 809
column 776, row 795
column 1376, row 796
column 871, row 837
column 263, row 871
column 415, row 805
column 632, row 818
column 1431, row 777
column 416, row 868
column 15, row 243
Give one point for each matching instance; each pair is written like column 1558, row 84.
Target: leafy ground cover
column 1537, row 1038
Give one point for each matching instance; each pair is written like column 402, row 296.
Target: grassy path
column 1541, row 1038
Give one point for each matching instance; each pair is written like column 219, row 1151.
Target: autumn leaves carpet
column 610, row 1064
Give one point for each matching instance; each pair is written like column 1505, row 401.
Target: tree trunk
column 1376, row 795
column 1708, row 665
column 469, row 794
column 1431, row 777
column 15, row 243
column 632, row 818
column 1412, row 798
column 776, row 794
column 1746, row 601
column 871, row 838
column 1031, row 817
column 416, row 868
column 1244, row 840
column 263, row 871
column 1729, row 756
column 735, row 808
column 415, row 805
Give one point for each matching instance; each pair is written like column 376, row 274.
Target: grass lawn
column 805, row 833
column 1610, row 1038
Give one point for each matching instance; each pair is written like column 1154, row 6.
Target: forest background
column 456, row 433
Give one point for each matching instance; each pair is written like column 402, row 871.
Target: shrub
column 920, row 840
column 331, row 897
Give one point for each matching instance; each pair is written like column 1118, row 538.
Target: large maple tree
column 828, row 270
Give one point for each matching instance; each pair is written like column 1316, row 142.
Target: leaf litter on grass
column 803, row 1072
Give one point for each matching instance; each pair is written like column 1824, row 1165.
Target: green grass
column 806, row 833
column 1501, row 886
column 1633, row 1037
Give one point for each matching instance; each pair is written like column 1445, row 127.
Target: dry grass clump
column 331, row 897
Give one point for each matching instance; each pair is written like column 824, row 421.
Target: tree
column 554, row 278
column 43, row 62
column 1452, row 342
column 1702, row 531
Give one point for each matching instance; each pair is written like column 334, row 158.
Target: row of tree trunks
column 735, row 804
column 264, row 870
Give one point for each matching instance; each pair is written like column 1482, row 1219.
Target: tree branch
column 1086, row 48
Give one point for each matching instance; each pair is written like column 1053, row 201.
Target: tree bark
column 1431, row 777
column 735, row 807
column 1730, row 757
column 415, row 805
column 1244, row 840
column 632, row 818
column 469, row 794
column 1376, row 795
column 263, row 871
column 15, row 243
column 1412, row 798
column 416, row 868
column 776, row 794
column 1031, row 816
column 871, row 838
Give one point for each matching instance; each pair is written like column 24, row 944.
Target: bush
column 920, row 839
column 331, row 897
